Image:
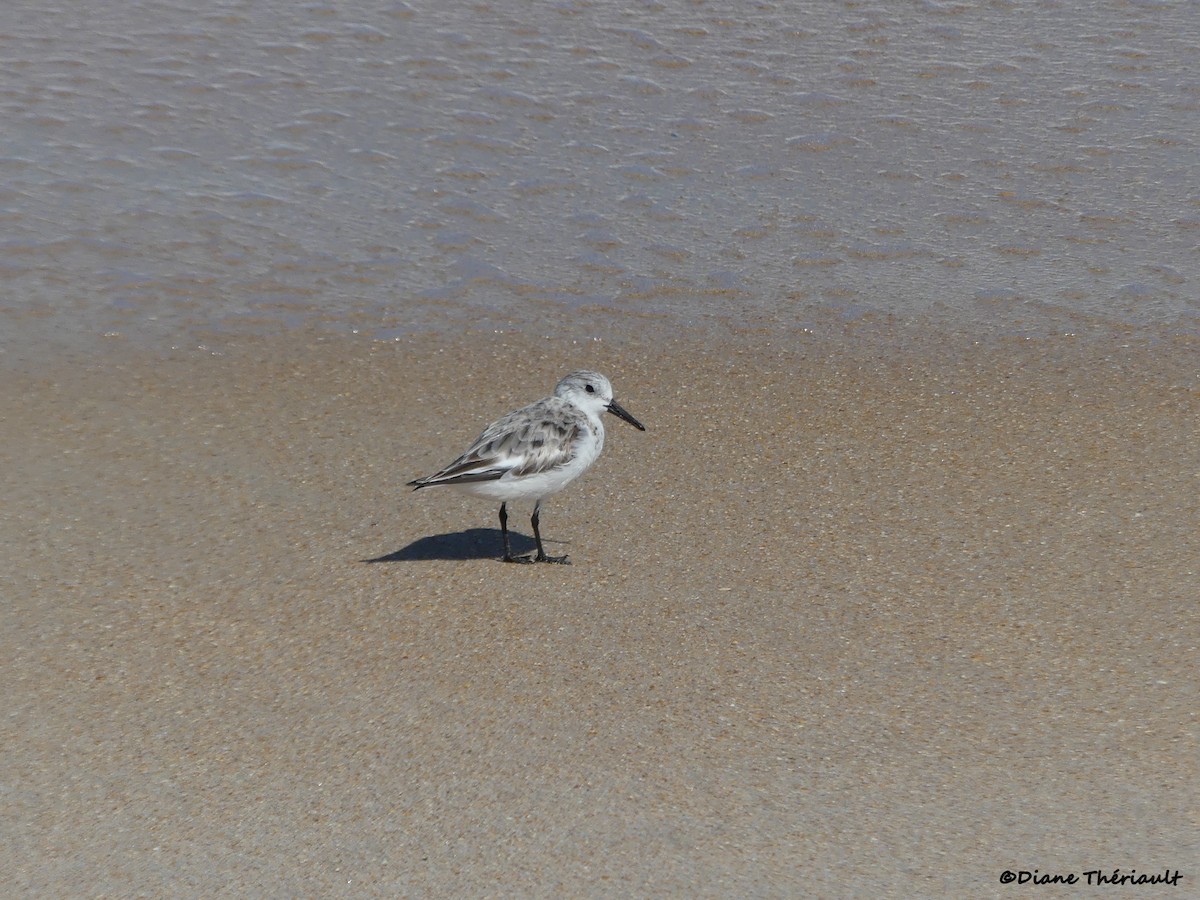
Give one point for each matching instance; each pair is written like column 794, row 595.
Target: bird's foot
column 518, row 559
column 563, row 560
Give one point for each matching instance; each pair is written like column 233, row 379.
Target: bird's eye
column 589, row 389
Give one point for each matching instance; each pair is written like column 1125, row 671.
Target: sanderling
column 536, row 451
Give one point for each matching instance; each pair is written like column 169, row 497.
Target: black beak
column 619, row 411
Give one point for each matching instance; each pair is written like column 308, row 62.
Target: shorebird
column 536, row 451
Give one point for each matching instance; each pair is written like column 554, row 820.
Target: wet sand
column 843, row 621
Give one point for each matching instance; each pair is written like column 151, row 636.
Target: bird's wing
column 539, row 438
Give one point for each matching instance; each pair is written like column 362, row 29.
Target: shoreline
column 848, row 619
column 822, row 330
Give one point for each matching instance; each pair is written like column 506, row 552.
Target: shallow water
column 989, row 167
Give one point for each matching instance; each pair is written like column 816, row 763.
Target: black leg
column 537, row 536
column 508, row 557
column 504, row 531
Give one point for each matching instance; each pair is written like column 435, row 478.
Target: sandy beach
column 841, row 622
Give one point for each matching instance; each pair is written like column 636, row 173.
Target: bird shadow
column 474, row 543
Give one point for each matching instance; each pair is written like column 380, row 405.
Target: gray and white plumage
column 537, row 450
